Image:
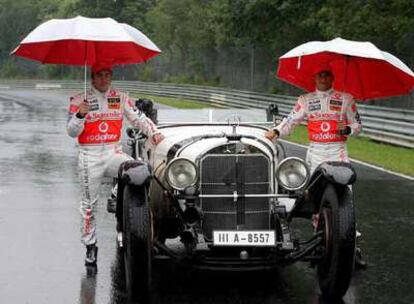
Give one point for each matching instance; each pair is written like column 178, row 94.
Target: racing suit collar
column 327, row 92
column 99, row 93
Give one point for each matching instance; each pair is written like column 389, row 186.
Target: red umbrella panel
column 83, row 52
column 363, row 77
column 86, row 41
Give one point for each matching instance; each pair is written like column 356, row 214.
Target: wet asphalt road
column 41, row 258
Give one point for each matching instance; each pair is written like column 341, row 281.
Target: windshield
column 167, row 116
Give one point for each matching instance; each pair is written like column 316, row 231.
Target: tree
column 17, row 19
column 388, row 24
column 181, row 28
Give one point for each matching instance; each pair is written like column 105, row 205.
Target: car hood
column 191, row 141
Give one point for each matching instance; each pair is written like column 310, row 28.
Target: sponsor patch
column 131, row 103
column 73, row 108
column 335, row 105
column 116, row 115
column 94, row 107
column 114, row 103
column 297, row 107
column 93, row 101
column 335, row 108
column 335, row 102
column 314, row 101
column 336, row 96
column 102, row 137
column 314, row 107
column 324, row 136
column 354, row 109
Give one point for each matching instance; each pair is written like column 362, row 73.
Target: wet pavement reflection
column 41, row 260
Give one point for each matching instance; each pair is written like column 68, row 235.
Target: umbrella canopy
column 360, row 68
column 86, row 41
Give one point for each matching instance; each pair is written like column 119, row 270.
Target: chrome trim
column 244, row 195
column 307, row 173
column 168, row 168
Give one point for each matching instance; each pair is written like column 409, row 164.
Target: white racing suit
column 326, row 112
column 100, row 152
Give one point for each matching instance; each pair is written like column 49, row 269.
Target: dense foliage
column 223, row 42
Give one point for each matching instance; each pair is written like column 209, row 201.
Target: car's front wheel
column 137, row 228
column 337, row 221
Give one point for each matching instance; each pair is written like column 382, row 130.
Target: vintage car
column 223, row 197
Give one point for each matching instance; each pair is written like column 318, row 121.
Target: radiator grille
column 224, row 174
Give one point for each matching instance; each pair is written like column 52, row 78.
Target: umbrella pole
column 341, row 117
column 86, row 59
column 85, row 81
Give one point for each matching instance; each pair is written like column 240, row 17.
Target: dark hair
column 104, row 69
column 326, row 73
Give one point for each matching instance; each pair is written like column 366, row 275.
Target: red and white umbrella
column 360, row 68
column 86, row 42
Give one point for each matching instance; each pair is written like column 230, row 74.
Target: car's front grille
column 225, row 174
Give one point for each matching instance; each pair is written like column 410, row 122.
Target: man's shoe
column 360, row 263
column 91, row 271
column 91, row 255
column 111, row 205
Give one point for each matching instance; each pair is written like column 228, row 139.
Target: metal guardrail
column 389, row 125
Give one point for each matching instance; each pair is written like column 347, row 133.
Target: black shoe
column 91, row 271
column 91, row 255
column 360, row 263
column 111, row 205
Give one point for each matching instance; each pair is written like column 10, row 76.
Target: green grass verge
column 390, row 157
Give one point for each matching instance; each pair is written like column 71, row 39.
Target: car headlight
column 181, row 173
column 292, row 173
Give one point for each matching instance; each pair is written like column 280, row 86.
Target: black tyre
column 137, row 230
column 337, row 220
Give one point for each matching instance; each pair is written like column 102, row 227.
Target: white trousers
column 95, row 163
column 323, row 152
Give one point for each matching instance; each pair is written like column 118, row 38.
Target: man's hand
column 345, row 131
column 157, row 138
column 271, row 134
column 83, row 109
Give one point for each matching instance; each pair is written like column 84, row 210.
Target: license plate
column 244, row 238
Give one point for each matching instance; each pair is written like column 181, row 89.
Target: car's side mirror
column 135, row 133
column 273, row 114
column 130, row 132
column 147, row 107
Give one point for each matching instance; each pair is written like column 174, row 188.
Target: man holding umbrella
column 96, row 115
column 358, row 68
column 96, row 121
column 332, row 117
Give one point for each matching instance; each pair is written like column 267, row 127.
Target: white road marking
column 359, row 162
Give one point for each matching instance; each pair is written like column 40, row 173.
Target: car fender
column 340, row 174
